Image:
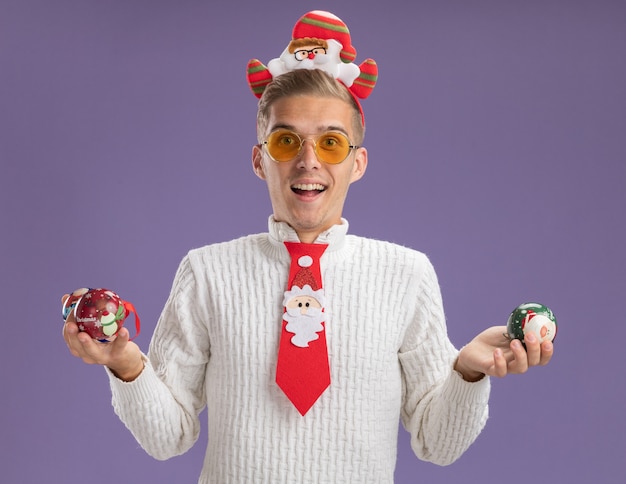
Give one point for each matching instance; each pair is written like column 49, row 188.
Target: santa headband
column 320, row 40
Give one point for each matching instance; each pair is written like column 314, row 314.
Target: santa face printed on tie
column 304, row 314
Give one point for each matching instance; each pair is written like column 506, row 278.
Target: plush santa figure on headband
column 313, row 53
column 320, row 40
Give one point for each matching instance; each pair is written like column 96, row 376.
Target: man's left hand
column 492, row 353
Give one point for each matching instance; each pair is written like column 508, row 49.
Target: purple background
column 497, row 146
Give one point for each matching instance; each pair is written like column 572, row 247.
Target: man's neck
column 308, row 237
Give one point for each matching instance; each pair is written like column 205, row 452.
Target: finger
column 65, row 331
column 547, row 350
column 520, row 361
column 499, row 364
column 533, row 349
column 81, row 344
column 93, row 351
column 121, row 340
column 73, row 338
column 69, row 330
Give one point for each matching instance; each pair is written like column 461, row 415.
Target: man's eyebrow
column 336, row 128
column 282, row 126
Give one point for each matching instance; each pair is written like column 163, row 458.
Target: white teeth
column 308, row 186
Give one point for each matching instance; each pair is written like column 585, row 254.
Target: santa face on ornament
column 304, row 314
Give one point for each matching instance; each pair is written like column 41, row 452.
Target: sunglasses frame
column 314, row 140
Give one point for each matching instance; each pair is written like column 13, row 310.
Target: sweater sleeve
column 443, row 413
column 162, row 405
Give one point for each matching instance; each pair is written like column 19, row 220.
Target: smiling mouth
column 308, row 189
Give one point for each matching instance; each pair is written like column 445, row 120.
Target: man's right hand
column 121, row 356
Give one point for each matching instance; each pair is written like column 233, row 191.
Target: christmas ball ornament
column 532, row 317
column 100, row 313
column 70, row 303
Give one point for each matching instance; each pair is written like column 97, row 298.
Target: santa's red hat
column 304, row 277
column 324, row 25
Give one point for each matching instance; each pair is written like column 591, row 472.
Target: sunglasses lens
column 283, row 145
column 332, row 147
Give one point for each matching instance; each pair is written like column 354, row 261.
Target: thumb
column 121, row 339
column 125, row 359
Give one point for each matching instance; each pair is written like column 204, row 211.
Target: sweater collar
column 280, row 232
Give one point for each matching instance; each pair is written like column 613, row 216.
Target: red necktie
column 303, row 372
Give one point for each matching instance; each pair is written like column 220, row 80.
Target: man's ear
column 257, row 161
column 360, row 165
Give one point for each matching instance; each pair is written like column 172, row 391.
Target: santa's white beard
column 319, row 62
column 304, row 326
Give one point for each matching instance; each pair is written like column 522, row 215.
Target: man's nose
column 308, row 157
column 311, row 55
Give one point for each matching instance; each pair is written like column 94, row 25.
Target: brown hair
column 305, row 42
column 302, row 82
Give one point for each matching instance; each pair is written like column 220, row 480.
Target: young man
column 377, row 323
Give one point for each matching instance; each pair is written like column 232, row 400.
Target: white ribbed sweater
column 216, row 345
